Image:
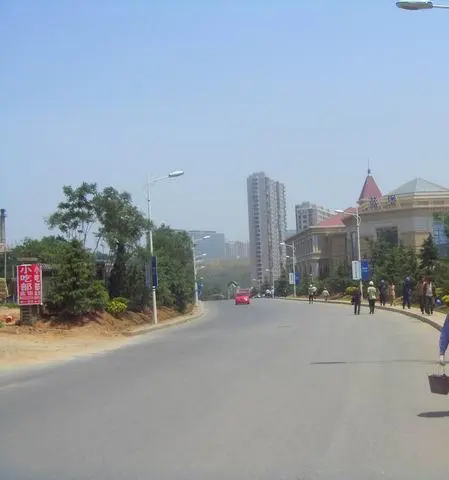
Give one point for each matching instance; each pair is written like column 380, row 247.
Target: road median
column 436, row 320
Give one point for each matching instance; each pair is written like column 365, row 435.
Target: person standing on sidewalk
column 325, row 293
column 383, row 293
column 311, row 293
column 421, row 296
column 429, row 293
column 407, row 293
column 372, row 295
column 357, row 300
column 392, row 293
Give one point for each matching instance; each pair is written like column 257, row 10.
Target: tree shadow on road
column 374, row 362
column 441, row 414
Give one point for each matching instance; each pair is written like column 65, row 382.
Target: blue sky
column 307, row 91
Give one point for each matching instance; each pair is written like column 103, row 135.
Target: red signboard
column 29, row 284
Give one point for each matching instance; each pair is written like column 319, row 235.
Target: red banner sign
column 29, row 284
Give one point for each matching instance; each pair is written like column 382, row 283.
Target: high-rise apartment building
column 308, row 214
column 236, row 250
column 267, row 218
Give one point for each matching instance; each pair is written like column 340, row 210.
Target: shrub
column 122, row 300
column 117, row 305
column 350, row 290
column 445, row 299
column 439, row 292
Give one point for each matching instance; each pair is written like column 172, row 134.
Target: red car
column 242, row 297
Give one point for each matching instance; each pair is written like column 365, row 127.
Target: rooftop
column 370, row 188
column 418, row 185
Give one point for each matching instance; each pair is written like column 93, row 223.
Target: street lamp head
column 414, row 5
column 175, row 173
column 206, row 237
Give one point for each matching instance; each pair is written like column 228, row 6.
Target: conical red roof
column 370, row 188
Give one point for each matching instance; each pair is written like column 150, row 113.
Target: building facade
column 405, row 216
column 236, row 250
column 308, row 214
column 320, row 249
column 267, row 220
column 213, row 248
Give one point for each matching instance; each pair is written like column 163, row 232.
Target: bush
column 445, row 299
column 117, row 305
column 350, row 291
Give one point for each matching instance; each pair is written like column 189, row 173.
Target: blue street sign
column 297, row 278
column 364, row 267
column 154, row 278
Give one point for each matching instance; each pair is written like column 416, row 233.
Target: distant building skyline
column 213, row 248
column 236, row 249
column 267, row 221
column 308, row 214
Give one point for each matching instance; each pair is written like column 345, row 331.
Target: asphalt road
column 274, row 390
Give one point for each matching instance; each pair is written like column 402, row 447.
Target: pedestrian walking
column 311, row 293
column 372, row 295
column 429, row 293
column 392, row 293
column 325, row 294
column 407, row 293
column 444, row 339
column 357, row 300
column 383, row 291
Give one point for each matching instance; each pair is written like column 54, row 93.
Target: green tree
column 393, row 263
column 76, row 215
column 175, row 267
column 45, row 249
column 121, row 225
column 428, row 255
column 74, row 291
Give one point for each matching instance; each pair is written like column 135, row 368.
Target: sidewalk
column 436, row 320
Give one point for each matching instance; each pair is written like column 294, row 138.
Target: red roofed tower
column 370, row 189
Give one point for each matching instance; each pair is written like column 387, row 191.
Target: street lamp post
column 359, row 254
column 292, row 246
column 419, row 5
column 195, row 259
column 174, row 174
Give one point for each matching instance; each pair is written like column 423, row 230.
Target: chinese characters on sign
column 29, row 284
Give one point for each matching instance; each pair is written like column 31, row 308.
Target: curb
column 171, row 323
column 407, row 313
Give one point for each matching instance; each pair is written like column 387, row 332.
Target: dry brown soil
column 53, row 340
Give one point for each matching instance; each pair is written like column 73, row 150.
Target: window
column 388, row 234
column 439, row 237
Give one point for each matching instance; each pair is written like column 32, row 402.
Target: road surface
column 274, row 390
